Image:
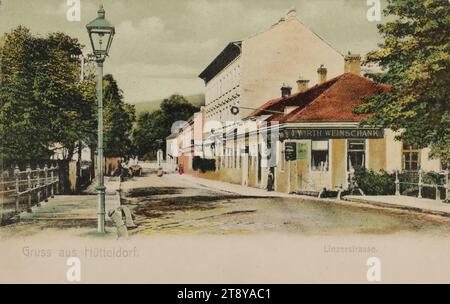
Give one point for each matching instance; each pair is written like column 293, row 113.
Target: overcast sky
column 162, row 45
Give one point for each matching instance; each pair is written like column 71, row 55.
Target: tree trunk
column 80, row 150
column 64, row 170
column 92, row 148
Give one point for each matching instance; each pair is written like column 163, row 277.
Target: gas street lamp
column 85, row 60
column 101, row 33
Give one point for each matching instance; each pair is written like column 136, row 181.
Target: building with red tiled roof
column 299, row 99
column 319, row 140
column 312, row 139
column 333, row 100
column 338, row 101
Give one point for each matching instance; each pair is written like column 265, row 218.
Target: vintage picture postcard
column 224, row 142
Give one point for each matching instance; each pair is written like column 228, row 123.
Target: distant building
column 250, row 71
column 172, row 151
column 189, row 142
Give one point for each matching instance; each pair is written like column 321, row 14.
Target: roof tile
column 333, row 100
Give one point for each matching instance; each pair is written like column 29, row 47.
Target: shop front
column 322, row 157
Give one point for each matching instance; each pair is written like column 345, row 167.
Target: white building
column 172, row 151
column 249, row 72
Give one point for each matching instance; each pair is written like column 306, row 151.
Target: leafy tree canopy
column 41, row 102
column 118, row 120
column 415, row 58
column 153, row 128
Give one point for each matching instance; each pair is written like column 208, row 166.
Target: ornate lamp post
column 101, row 34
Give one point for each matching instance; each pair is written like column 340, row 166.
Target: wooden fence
column 423, row 184
column 22, row 190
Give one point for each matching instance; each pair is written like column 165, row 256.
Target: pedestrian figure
column 270, row 182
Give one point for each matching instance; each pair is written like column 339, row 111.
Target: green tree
column 415, row 58
column 42, row 102
column 153, row 128
column 89, row 136
column 19, row 132
column 145, row 135
column 57, row 89
column 119, row 118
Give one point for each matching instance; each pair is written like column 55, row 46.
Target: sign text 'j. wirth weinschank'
column 332, row 133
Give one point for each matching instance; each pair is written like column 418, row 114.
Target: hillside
column 150, row 106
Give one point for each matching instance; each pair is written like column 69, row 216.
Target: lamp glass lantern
column 101, row 33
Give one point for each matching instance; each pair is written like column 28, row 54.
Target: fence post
column 52, row 186
column 29, row 185
column 38, row 184
column 16, row 175
column 420, row 184
column 438, row 193
column 46, row 182
column 397, row 183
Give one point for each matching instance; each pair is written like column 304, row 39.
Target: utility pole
column 84, row 59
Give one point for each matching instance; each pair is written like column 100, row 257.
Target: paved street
column 189, row 231
column 182, row 205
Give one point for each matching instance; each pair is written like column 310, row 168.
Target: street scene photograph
column 224, row 142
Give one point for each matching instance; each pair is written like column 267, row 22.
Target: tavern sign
column 334, row 133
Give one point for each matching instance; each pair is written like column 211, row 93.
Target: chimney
column 291, row 14
column 353, row 64
column 322, row 71
column 302, row 84
column 286, row 91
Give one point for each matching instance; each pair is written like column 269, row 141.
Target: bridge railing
column 22, row 190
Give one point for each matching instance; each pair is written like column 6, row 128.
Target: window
column 229, row 158
column 234, row 158
column 356, row 154
column 223, row 156
column 238, row 157
column 319, row 155
column 411, row 159
column 226, row 158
